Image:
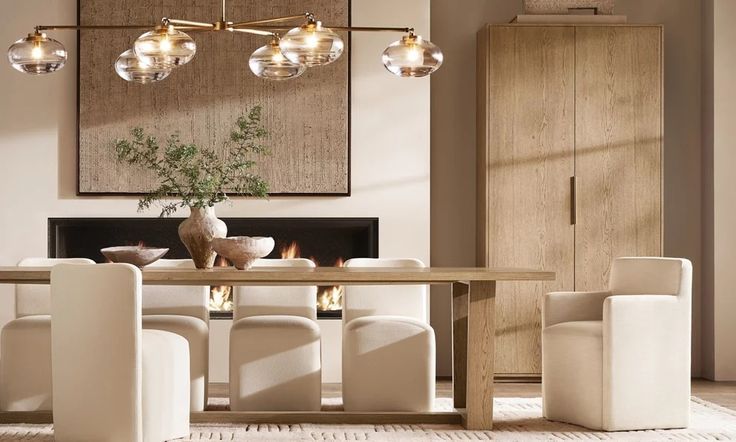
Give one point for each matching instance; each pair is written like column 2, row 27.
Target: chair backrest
column 178, row 300
column 35, row 299
column 651, row 276
column 276, row 300
column 96, row 352
column 394, row 300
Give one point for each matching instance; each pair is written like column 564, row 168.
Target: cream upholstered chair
column 182, row 310
column 388, row 356
column 25, row 344
column 113, row 381
column 620, row 359
column 275, row 359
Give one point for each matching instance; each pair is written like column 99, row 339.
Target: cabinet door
column 526, row 137
column 618, row 157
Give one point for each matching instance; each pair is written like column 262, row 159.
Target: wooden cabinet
column 569, row 163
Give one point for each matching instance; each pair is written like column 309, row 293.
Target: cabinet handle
column 573, row 200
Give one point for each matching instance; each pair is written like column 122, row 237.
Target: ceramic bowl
column 137, row 255
column 243, row 251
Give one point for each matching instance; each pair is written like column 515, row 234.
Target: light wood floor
column 721, row 393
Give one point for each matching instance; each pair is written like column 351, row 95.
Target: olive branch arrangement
column 197, row 176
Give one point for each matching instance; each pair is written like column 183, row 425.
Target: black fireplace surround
column 325, row 240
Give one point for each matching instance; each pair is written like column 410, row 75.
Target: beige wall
column 390, row 143
column 719, row 210
column 454, row 25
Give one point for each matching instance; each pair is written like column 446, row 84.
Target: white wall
column 390, row 143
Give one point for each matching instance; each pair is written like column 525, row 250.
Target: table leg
column 459, row 343
column 480, row 356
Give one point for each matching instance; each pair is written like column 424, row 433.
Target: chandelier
column 295, row 43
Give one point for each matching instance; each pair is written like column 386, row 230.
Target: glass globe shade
column 131, row 68
column 312, row 45
column 165, row 47
column 37, row 54
column 268, row 62
column 412, row 56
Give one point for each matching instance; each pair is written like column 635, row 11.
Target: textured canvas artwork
column 308, row 117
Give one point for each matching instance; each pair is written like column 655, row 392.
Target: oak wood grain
column 525, row 150
column 326, row 417
column 618, row 148
column 272, row 417
column 459, row 343
column 480, row 360
column 298, row 276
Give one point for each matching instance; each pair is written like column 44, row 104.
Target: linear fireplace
column 327, row 241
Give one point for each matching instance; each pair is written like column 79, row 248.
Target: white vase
column 197, row 232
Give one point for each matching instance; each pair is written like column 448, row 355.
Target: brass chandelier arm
column 82, row 27
column 369, row 29
column 252, row 31
column 193, row 29
column 191, row 25
column 277, row 28
column 196, row 24
column 265, row 21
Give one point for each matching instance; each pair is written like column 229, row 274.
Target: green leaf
column 198, row 176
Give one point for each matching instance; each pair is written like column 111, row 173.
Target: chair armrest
column 560, row 307
column 646, row 354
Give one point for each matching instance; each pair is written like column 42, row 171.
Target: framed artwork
column 308, row 118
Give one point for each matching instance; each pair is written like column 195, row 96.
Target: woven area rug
column 515, row 419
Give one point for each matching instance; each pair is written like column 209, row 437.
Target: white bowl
column 243, row 251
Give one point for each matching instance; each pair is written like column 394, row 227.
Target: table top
column 300, row 276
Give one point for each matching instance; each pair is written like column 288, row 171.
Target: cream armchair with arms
column 620, row 359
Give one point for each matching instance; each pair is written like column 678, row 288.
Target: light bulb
column 165, row 47
column 412, row 56
column 37, row 54
column 166, row 44
column 268, row 62
column 312, row 45
column 312, row 40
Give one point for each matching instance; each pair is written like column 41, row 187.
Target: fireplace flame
column 221, row 298
column 291, row 251
column 328, row 298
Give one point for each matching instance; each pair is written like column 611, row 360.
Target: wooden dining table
column 473, row 292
